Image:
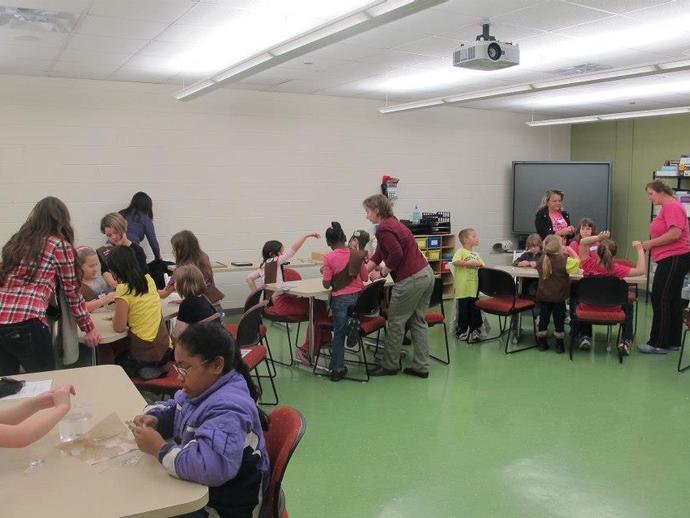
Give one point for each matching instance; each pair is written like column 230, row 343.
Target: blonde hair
column 533, row 240
column 84, row 252
column 115, row 221
column 547, row 195
column 552, row 246
column 381, row 204
column 189, row 280
column 606, row 252
column 464, row 234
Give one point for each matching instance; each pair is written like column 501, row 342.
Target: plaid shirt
column 23, row 299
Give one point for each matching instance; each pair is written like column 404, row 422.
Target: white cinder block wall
column 239, row 167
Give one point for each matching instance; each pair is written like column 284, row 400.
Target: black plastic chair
column 438, row 317
column 366, row 310
column 504, row 302
column 248, row 338
column 609, row 294
column 682, row 348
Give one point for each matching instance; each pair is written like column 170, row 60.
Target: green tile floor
column 494, row 435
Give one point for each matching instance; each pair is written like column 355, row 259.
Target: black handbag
column 10, row 386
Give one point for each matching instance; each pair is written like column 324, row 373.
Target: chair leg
column 261, row 388
column 263, row 340
column 292, row 358
column 445, row 336
column 618, row 340
column 364, row 361
column 680, row 356
column 534, row 327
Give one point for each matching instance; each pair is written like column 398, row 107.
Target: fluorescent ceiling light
column 486, row 94
column 411, row 106
column 610, row 116
column 675, row 65
column 591, row 78
column 248, row 44
column 193, row 89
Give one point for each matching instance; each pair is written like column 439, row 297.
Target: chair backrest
column 437, row 294
column 369, row 300
column 248, row 326
column 602, row 291
column 286, row 428
column 496, row 283
column 252, row 299
column 291, row 275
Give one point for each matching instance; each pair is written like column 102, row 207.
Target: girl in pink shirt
column 338, row 267
column 584, row 228
column 604, row 263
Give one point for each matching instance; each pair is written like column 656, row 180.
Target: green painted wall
column 636, row 148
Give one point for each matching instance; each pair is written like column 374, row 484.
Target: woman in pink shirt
column 343, row 271
column 669, row 247
column 551, row 218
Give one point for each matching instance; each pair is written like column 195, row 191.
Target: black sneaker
column 337, row 375
column 352, row 331
column 381, row 371
column 413, row 372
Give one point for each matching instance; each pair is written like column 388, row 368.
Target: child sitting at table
column 195, row 306
column 529, row 259
column 214, row 424
column 18, row 431
column 605, row 264
column 95, row 290
column 553, row 289
column 466, row 261
column 283, row 304
column 585, row 228
column 138, row 306
column 186, row 250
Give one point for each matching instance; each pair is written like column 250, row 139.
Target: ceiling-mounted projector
column 486, row 53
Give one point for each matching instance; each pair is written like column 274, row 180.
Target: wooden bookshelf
column 435, row 256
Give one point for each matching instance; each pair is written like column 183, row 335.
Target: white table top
column 531, row 273
column 312, row 287
column 64, row 486
column 294, row 263
column 103, row 320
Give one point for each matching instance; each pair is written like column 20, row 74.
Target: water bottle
column 416, row 215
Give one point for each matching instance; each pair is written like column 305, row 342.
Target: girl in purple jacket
column 214, row 424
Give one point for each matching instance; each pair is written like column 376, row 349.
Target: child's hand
column 61, row 396
column 375, row 275
column 638, row 245
column 523, row 264
column 48, row 399
column 314, row 235
column 148, row 440
column 146, row 421
column 109, row 298
column 533, row 264
column 604, row 234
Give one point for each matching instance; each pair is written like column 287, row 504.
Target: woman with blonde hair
column 551, row 218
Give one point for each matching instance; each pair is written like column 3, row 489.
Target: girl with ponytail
column 214, row 422
column 605, row 263
column 552, row 291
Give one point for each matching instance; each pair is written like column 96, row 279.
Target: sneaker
column 648, row 349
column 475, row 336
column 352, row 332
column 339, row 374
column 462, row 336
column 382, row 371
column 413, row 372
column 585, row 343
column 302, row 357
column 624, row 348
column 674, row 349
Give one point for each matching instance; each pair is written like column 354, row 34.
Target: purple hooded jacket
column 218, row 443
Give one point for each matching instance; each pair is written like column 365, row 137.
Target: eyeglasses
column 182, row 371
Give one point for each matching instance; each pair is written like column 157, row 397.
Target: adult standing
column 38, row 258
column 669, row 247
column 139, row 216
column 414, row 282
column 551, row 218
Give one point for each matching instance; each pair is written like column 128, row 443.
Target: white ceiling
column 405, row 60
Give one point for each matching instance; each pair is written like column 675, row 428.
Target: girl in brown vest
column 95, row 290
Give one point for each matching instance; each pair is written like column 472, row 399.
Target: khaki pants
column 408, row 305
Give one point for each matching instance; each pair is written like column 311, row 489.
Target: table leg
column 311, row 327
column 94, row 356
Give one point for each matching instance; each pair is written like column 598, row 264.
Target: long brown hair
column 584, row 222
column 606, row 252
column 186, row 248
column 552, row 246
column 49, row 217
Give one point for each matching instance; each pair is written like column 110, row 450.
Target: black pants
column 546, row 309
column 467, row 316
column 27, row 344
column 667, row 322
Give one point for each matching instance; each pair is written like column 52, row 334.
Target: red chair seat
column 270, row 313
column 256, row 355
column 232, row 329
column 168, row 384
column 433, row 317
column 599, row 314
column 504, row 305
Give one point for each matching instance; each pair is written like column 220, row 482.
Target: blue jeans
column 27, row 344
column 339, row 308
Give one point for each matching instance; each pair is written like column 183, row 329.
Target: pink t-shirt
column 558, row 222
column 336, row 261
column 671, row 215
column 592, row 267
column 282, row 258
column 575, row 245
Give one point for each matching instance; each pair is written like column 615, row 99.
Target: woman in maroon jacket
column 414, row 282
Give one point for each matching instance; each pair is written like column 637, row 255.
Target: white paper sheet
column 31, row 389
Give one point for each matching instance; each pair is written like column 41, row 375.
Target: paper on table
column 31, row 389
column 287, row 286
column 108, row 439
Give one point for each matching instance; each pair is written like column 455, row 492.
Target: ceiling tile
column 396, row 58
column 163, row 11
column 620, row 6
column 384, row 38
column 551, row 16
column 487, row 8
column 432, row 46
column 119, row 27
column 208, row 15
column 32, row 38
column 105, row 44
column 79, row 70
column 28, row 53
column 70, row 6
column 106, row 59
column 501, row 31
